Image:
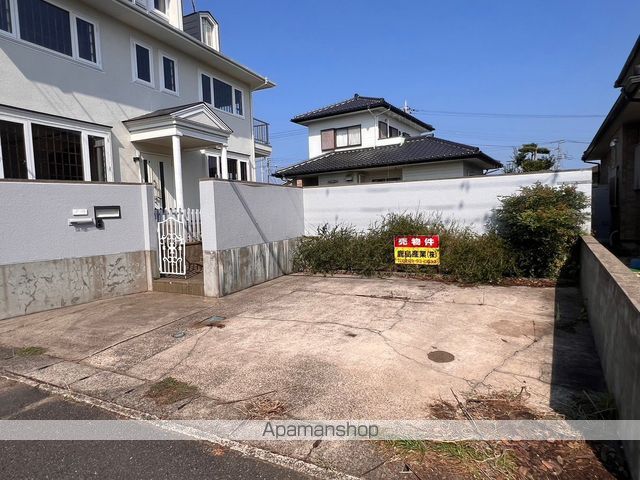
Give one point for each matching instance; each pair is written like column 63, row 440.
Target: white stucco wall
column 468, row 200
column 236, row 214
column 34, row 220
column 47, row 82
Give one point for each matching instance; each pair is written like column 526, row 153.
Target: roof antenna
column 406, row 108
column 193, row 5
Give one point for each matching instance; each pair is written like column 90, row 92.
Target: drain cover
column 440, row 356
column 211, row 321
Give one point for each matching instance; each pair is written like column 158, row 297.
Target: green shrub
column 328, row 252
column 472, row 258
column 541, row 224
column 465, row 256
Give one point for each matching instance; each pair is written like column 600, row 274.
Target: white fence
column 468, row 200
column 189, row 216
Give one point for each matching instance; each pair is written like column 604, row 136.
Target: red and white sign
column 417, row 249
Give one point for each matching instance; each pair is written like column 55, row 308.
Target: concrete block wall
column 249, row 231
column 611, row 295
column 46, row 263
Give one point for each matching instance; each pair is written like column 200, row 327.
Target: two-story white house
column 366, row 139
column 124, row 91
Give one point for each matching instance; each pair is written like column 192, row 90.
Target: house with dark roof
column 616, row 146
column 368, row 140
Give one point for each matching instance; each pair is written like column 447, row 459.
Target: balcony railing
column 261, row 132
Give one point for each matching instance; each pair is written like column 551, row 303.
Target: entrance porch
column 178, row 146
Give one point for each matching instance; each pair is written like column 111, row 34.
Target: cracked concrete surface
column 327, row 348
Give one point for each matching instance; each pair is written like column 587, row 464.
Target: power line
column 503, row 115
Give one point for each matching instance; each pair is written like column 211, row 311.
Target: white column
column 177, row 170
column 224, row 172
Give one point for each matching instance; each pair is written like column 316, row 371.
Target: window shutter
column 328, row 139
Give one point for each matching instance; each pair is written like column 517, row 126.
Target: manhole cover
column 440, row 356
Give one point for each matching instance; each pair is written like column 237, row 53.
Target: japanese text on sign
column 417, row 250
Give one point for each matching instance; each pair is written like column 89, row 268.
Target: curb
column 299, row 466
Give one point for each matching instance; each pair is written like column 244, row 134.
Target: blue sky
column 543, row 57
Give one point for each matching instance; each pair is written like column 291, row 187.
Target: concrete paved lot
column 324, row 348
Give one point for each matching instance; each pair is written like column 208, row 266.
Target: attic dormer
column 167, row 10
column 204, row 27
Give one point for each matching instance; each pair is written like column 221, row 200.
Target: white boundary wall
column 249, row 232
column 47, row 263
column 468, row 200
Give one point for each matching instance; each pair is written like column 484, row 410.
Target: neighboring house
column 366, row 139
column 124, row 91
column 617, row 146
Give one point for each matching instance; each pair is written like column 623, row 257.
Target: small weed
column 409, row 446
column 264, row 408
column 30, row 351
column 593, row 406
column 471, row 455
column 171, row 390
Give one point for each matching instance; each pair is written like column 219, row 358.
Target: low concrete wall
column 46, row 263
column 612, row 297
column 467, row 200
column 232, row 270
column 249, row 232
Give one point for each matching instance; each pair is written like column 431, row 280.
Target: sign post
column 417, row 250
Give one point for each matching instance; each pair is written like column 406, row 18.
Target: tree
column 531, row 158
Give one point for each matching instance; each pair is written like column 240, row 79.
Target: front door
column 160, row 173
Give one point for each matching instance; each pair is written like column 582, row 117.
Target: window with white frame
column 209, row 33
column 169, row 74
column 51, row 27
column 212, row 165
column 142, row 64
column 206, row 88
column 222, row 95
column 243, row 171
column 6, row 22
column 97, row 158
column 13, row 155
column 86, row 40
column 160, row 6
column 232, row 168
column 41, row 150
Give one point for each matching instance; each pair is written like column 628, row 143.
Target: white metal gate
column 171, row 244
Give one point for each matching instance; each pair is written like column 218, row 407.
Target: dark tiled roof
column 634, row 51
column 356, row 104
column 414, row 150
column 165, row 111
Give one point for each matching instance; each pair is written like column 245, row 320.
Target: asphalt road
column 112, row 459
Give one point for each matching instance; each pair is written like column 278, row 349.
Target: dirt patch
column 263, row 408
column 170, row 390
column 510, row 459
column 30, row 351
